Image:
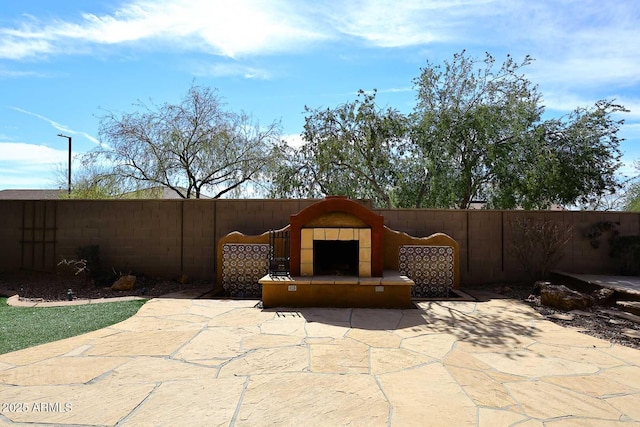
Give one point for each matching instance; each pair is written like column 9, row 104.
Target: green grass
column 22, row 327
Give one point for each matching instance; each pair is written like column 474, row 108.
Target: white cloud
column 19, row 45
column 387, row 90
column 236, row 28
column 293, row 140
column 31, row 154
column 24, row 165
column 225, row 70
column 631, row 104
column 230, row 28
column 576, row 43
column 566, row 101
column 588, row 70
column 11, row 74
column 406, row 23
column 25, row 181
column 397, row 90
column 631, row 131
column 62, row 128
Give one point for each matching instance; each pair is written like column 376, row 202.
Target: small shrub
column 87, row 261
column 91, row 255
column 538, row 244
column 627, row 249
column 79, row 266
column 596, row 230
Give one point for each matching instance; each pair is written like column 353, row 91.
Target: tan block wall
column 169, row 237
column 485, row 243
column 134, row 236
column 199, row 238
column 11, row 220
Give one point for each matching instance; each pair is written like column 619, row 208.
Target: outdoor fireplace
column 337, row 260
column 328, row 226
column 332, row 254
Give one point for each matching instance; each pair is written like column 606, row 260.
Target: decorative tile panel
column 430, row 267
column 243, row 264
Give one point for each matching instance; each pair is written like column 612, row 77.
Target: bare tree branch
column 189, row 147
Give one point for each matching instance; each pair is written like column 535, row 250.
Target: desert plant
column 87, row 261
column 78, row 265
column 538, row 244
column 627, row 249
column 598, row 229
column 91, row 255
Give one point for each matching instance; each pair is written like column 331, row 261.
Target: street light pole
column 69, row 138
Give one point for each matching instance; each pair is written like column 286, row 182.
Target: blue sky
column 62, row 63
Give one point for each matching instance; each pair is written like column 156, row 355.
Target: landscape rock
column 631, row 333
column 603, row 296
column 125, row 283
column 582, row 313
column 562, row 316
column 538, row 286
column 623, row 315
column 632, row 307
column 563, row 298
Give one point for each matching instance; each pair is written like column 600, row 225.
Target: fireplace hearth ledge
column 392, row 290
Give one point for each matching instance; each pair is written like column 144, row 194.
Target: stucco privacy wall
column 169, row 237
column 154, row 237
column 485, row 238
column 11, row 217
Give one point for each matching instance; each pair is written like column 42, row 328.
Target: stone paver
column 191, row 403
column 424, row 396
column 225, row 362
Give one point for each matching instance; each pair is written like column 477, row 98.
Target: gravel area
column 52, row 287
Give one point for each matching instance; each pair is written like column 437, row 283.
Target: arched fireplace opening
column 337, row 219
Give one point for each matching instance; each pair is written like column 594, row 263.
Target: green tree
column 354, row 149
column 632, row 193
column 575, row 161
column 190, row 147
column 633, row 198
column 476, row 133
column 90, row 181
column 471, row 120
column 479, row 135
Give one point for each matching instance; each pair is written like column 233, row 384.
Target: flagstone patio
column 226, row 362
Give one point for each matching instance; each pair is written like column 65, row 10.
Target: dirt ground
column 596, row 321
column 53, row 287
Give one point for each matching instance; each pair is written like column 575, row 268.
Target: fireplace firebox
column 335, row 257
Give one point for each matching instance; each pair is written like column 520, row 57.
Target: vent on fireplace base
column 335, row 257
